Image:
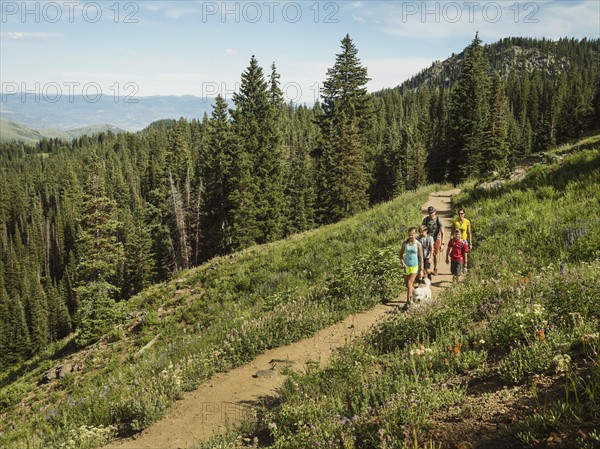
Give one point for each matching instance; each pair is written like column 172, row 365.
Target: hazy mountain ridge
column 13, row 131
column 130, row 114
column 514, row 55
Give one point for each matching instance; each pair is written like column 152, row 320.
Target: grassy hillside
column 13, row 131
column 209, row 319
column 507, row 358
column 526, row 317
column 78, row 132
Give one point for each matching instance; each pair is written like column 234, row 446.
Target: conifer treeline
column 92, row 222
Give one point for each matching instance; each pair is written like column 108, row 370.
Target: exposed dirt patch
column 492, row 415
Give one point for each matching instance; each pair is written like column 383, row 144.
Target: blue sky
column 201, row 47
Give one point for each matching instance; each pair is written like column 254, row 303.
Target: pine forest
column 87, row 224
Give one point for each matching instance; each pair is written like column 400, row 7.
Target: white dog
column 423, row 291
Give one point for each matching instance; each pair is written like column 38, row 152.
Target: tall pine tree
column 99, row 261
column 469, row 115
column 215, row 170
column 496, row 141
column 343, row 179
column 139, row 270
column 257, row 198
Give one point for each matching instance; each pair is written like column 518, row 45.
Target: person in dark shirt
column 435, row 228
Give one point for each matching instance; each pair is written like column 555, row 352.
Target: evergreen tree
column 534, row 99
column 571, row 116
column 496, row 141
column 413, row 157
column 257, row 197
column 299, row 171
column 14, row 273
column 422, row 136
column 159, row 210
column 139, row 261
column 198, row 191
column 99, row 261
column 469, row 116
column 59, row 320
column 243, row 228
column 568, row 126
column 36, row 304
column 390, row 168
column 271, row 168
column 545, row 135
column 300, row 191
column 439, row 154
column 348, row 192
column 178, row 153
column 594, row 122
column 347, row 113
column 18, row 344
column 3, row 214
column 4, row 322
column 215, row 170
column 180, row 192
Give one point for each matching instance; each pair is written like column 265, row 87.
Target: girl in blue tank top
column 411, row 255
column 411, row 258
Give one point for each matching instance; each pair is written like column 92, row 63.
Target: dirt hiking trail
column 226, row 398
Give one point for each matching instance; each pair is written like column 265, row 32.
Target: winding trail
column 228, row 397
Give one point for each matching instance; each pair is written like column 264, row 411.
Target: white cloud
column 358, row 18
column 434, row 20
column 175, row 13
column 12, row 36
column 153, row 6
column 21, row 36
column 168, row 8
column 230, row 51
column 574, row 20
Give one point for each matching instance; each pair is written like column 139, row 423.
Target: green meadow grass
column 529, row 306
column 206, row 320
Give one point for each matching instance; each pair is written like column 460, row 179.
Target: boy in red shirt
column 458, row 251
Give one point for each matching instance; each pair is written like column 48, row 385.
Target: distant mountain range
column 70, row 112
column 14, row 131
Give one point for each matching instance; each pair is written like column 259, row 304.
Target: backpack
column 426, row 247
column 433, row 227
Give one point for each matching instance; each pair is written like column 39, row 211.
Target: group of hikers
column 420, row 252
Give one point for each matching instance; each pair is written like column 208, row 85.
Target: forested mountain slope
column 98, row 219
